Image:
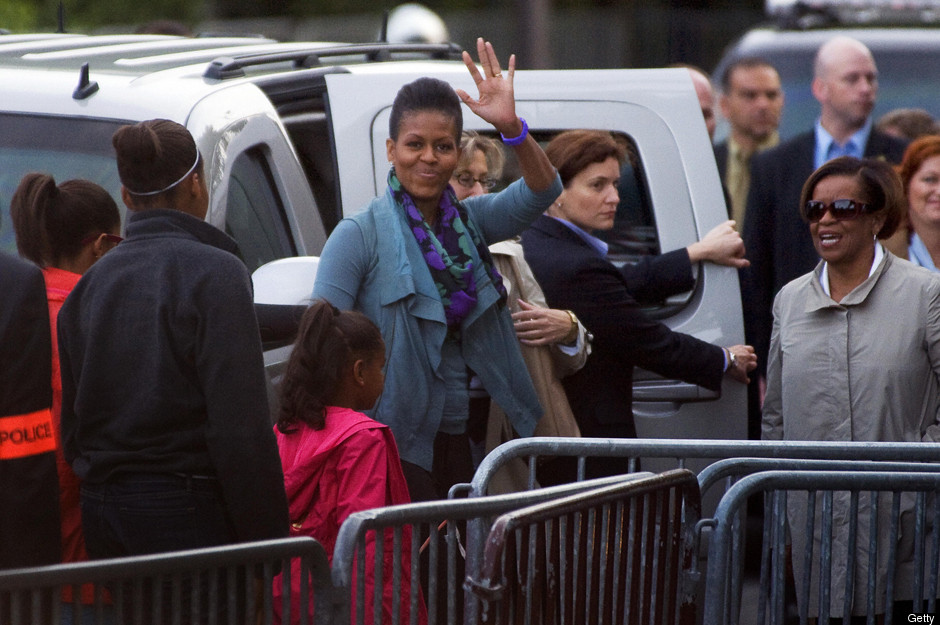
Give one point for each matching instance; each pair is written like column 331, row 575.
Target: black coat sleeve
column 575, row 278
column 29, row 488
column 603, row 302
column 655, row 278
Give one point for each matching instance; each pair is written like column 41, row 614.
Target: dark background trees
column 543, row 33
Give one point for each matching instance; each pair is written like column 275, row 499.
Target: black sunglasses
column 840, row 210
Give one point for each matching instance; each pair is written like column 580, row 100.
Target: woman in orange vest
column 64, row 229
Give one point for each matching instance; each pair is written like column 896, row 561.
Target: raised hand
column 496, row 103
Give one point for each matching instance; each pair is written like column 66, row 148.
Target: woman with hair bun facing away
column 64, row 229
column 337, row 460
column 164, row 406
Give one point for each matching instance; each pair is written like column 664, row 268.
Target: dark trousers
column 452, row 465
column 137, row 514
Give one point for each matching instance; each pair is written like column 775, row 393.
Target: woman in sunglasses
column 855, row 352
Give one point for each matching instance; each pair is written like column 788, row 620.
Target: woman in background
column 920, row 177
column 553, row 343
column 64, row 230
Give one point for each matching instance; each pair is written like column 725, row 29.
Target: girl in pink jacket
column 337, row 460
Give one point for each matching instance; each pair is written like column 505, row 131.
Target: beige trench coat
column 546, row 365
column 865, row 369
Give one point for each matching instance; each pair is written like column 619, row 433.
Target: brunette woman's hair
column 877, row 181
column 51, row 222
column 153, row 157
column 328, row 342
column 572, row 151
column 426, row 94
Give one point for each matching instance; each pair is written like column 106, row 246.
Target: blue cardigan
column 372, row 263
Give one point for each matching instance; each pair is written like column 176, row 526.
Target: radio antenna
column 61, row 17
column 383, row 35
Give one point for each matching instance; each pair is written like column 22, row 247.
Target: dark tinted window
column 255, row 214
column 634, row 232
column 66, row 148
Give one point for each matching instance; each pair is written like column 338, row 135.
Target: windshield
column 66, row 148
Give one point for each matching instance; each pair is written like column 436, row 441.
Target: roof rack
column 233, row 67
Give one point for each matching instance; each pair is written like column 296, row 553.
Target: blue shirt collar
column 855, row 146
column 918, row 254
column 599, row 246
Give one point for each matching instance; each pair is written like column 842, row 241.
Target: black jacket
column 29, row 487
column 777, row 240
column 162, row 369
column 575, row 277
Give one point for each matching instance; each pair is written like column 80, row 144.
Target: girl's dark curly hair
column 328, row 342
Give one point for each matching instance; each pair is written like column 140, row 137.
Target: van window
column 634, row 232
column 65, row 148
column 300, row 100
column 255, row 215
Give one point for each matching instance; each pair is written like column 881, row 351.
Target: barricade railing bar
column 735, row 468
column 440, row 565
column 683, row 450
column 225, row 584
column 873, row 529
column 615, row 554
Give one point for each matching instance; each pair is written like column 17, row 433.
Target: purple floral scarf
column 447, row 252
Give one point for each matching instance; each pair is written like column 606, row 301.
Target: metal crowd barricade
column 231, row 584
column 615, row 554
column 436, row 559
column 826, row 499
column 664, row 454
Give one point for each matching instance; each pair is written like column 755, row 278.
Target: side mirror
column 286, row 281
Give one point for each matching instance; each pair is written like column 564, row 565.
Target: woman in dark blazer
column 571, row 265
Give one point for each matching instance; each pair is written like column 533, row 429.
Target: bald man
column 706, row 98
column 845, row 83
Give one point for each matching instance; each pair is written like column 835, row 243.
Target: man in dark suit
column 778, row 243
column 751, row 101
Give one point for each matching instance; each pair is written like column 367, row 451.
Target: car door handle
column 671, row 391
